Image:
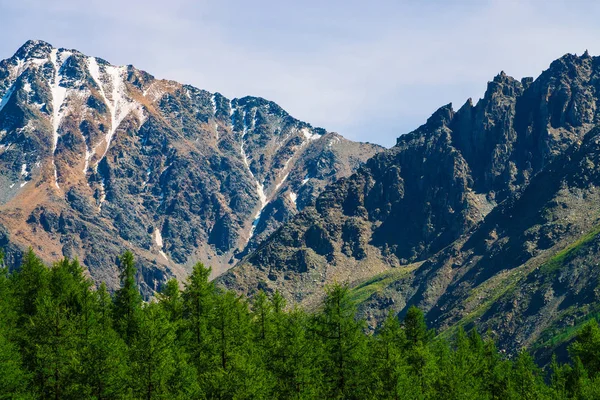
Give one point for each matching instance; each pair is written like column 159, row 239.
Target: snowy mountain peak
column 117, row 154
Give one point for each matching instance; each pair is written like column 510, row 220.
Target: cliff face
column 459, row 214
column 96, row 159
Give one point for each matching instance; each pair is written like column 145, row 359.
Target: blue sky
column 368, row 70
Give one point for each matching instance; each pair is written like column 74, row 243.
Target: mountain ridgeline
column 97, row 158
column 487, row 215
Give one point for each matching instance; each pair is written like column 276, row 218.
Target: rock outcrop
column 462, row 216
column 96, row 158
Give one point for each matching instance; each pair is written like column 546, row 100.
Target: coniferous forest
column 61, row 338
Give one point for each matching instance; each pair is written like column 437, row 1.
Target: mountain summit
column 487, row 214
column 97, row 158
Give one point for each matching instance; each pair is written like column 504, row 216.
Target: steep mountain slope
column 528, row 271
column 96, row 158
column 459, row 214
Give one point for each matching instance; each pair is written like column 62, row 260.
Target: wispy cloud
column 371, row 71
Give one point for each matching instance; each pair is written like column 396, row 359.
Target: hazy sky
column 370, row 70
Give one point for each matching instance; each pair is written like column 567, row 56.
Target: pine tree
column 415, row 327
column 8, row 313
column 14, row 381
column 55, row 331
column 128, row 301
column 526, row 381
column 29, row 284
column 171, row 301
column 420, row 359
column 104, row 365
column 587, row 348
column 104, row 372
column 344, row 344
column 104, row 310
column 261, row 308
column 388, row 360
column 197, row 309
column 460, row 368
column 152, row 354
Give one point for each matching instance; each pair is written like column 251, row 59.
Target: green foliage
column 128, row 301
column 61, row 338
column 558, row 260
column 378, row 283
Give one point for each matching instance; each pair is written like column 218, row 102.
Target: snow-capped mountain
column 97, row 158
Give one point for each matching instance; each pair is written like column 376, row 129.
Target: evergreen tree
column 415, row 327
column 422, row 365
column 526, row 380
column 235, row 364
column 461, row 368
column 60, row 338
column 29, row 284
column 54, row 329
column 344, row 345
column 261, row 308
column 104, row 365
column 386, row 355
column 152, row 354
column 128, row 301
column 293, row 353
column 13, row 378
column 14, row 381
column 198, row 306
column 171, row 301
column 587, row 348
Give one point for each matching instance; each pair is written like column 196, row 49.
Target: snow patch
column 308, row 135
column 148, row 171
column 293, row 197
column 214, row 104
column 59, row 93
column 254, row 224
column 87, row 157
column 159, row 242
column 281, row 182
column 24, row 170
column 285, row 168
column 158, row 238
column 27, row 87
column 118, row 105
column 260, row 188
column 333, row 141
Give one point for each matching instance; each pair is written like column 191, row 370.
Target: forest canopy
column 63, row 338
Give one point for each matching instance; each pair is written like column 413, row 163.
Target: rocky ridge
column 97, row 158
column 485, row 214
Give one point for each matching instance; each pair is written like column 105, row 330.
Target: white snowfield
column 68, row 99
column 59, row 93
